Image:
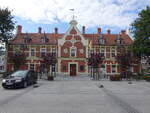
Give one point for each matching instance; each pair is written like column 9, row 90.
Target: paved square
column 78, row 95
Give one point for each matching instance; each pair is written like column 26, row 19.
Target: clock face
column 81, row 51
column 66, row 50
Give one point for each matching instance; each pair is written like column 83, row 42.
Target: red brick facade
column 72, row 49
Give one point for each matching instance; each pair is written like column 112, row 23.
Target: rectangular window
column 1, row 68
column 32, row 67
column 53, row 68
column 103, row 66
column 32, row 52
column 102, row 69
column 73, row 52
column 53, row 50
column 102, row 52
column 113, row 52
column 43, row 52
column 113, row 68
column 82, row 68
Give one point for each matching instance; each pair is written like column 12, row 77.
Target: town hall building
column 71, row 49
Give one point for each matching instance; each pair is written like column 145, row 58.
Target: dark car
column 21, row 78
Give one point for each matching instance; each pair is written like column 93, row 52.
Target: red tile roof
column 36, row 38
column 109, row 38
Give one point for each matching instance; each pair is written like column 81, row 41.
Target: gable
column 73, row 35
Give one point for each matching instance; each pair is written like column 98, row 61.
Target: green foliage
column 6, row 25
column 95, row 59
column 141, row 32
column 18, row 59
column 50, row 59
column 6, row 74
column 124, row 58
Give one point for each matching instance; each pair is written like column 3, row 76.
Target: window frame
column 83, row 67
column 102, row 53
column 42, row 53
column 73, row 48
column 31, row 52
column 113, row 52
column 31, row 66
column 113, row 68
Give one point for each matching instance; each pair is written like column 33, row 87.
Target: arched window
column 73, row 52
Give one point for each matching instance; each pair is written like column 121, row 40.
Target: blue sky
column 48, row 14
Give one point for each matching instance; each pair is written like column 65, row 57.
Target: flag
column 72, row 9
column 90, row 45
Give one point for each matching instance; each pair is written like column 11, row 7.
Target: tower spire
column 73, row 17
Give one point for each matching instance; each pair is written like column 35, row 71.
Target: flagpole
column 72, row 14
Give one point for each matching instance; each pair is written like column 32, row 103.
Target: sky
column 115, row 15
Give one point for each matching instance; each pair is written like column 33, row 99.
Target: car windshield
column 19, row 73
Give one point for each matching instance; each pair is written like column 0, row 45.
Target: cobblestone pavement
column 77, row 95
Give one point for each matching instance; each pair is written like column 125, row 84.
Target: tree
column 6, row 25
column 94, row 61
column 18, row 59
column 49, row 60
column 125, row 60
column 141, row 32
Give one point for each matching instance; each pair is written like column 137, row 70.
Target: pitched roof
column 109, row 38
column 36, row 38
column 52, row 38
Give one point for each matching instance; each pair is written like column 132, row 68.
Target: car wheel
column 5, row 87
column 35, row 82
column 25, row 84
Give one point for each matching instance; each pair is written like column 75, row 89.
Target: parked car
column 21, row 78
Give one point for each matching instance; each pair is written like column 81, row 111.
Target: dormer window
column 26, row 38
column 101, row 40
column 44, row 39
column 119, row 40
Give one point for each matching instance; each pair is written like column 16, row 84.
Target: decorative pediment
column 73, row 35
column 73, row 31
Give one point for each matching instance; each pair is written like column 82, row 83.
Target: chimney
column 19, row 29
column 56, row 30
column 39, row 30
column 108, row 31
column 123, row 32
column 99, row 30
column 83, row 30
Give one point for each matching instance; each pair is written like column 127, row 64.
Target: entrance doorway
column 73, row 70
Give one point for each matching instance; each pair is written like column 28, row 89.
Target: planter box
column 115, row 77
column 147, row 76
column 51, row 78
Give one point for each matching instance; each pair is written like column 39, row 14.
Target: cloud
column 113, row 13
